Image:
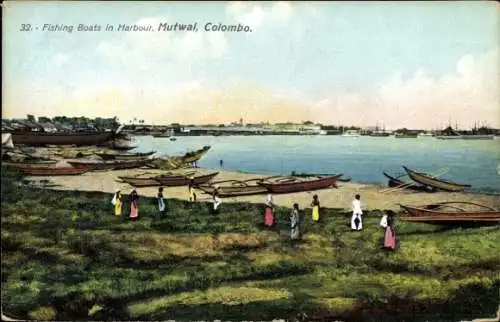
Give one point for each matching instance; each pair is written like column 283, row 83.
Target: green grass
column 65, row 256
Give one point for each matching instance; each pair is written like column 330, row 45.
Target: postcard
column 250, row 161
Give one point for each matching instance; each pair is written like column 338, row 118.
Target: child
column 161, row 202
column 269, row 212
column 315, row 209
column 356, row 220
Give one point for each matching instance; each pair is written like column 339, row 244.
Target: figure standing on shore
column 191, row 193
column 221, row 162
column 315, row 208
column 390, row 234
column 117, row 202
column 295, row 223
column 161, row 202
column 217, row 201
column 269, row 220
column 134, row 206
column 356, row 219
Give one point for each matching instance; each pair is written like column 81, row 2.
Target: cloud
column 150, row 48
column 469, row 95
column 254, row 14
column 60, row 59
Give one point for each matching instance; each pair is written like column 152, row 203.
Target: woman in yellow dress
column 315, row 209
column 191, row 193
column 117, row 202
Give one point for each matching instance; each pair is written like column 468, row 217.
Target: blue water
column 361, row 158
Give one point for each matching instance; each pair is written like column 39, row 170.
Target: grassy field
column 65, row 256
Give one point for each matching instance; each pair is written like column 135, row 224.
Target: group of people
column 117, row 202
column 386, row 223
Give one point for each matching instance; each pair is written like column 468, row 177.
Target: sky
column 409, row 64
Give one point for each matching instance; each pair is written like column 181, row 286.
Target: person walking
column 295, row 223
column 134, row 205
column 356, row 219
column 117, row 202
column 269, row 219
column 160, row 201
column 315, row 208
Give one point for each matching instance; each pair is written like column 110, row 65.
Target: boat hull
column 432, row 216
column 113, row 165
column 44, row 171
column 140, row 182
column 394, row 183
column 175, row 181
column 427, row 180
column 422, row 212
column 107, row 156
column 290, row 187
column 34, row 138
column 225, row 192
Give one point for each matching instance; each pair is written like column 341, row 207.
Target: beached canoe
column 124, row 156
column 448, row 208
column 293, row 184
column 30, row 164
column 44, row 171
column 168, row 180
column 234, row 188
column 109, row 165
column 183, row 180
column 431, row 181
column 451, row 212
column 395, row 182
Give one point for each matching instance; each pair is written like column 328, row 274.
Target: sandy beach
column 372, row 196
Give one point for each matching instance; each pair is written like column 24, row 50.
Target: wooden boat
column 28, row 165
column 183, row 180
column 395, row 182
column 122, row 156
column 195, row 155
column 44, row 171
column 306, row 175
column 168, row 180
column 121, row 148
column 430, row 181
column 293, row 184
column 234, row 188
column 176, row 162
column 450, row 212
column 58, row 138
column 109, row 165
